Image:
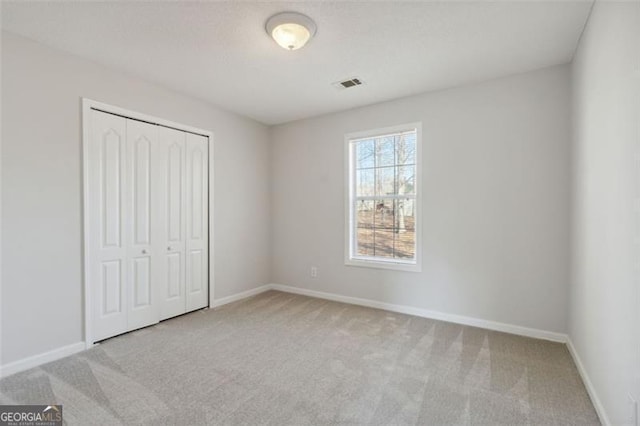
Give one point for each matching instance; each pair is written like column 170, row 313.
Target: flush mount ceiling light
column 291, row 30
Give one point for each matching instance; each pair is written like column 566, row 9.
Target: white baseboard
column 425, row 313
column 591, row 390
column 56, row 354
column 43, row 358
column 239, row 296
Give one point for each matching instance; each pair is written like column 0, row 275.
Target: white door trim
column 87, row 106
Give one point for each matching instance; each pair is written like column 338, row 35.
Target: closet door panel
column 111, row 166
column 172, row 200
column 142, row 285
column 107, row 206
column 143, row 251
column 111, row 288
column 141, row 172
column 197, row 222
column 174, row 189
column 174, row 275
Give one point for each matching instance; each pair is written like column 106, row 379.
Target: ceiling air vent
column 346, row 84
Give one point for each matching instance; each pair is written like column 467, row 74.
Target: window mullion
column 387, row 197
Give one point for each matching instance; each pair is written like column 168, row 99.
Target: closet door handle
column 169, row 248
column 144, row 251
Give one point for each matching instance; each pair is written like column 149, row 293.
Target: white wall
column 42, row 290
column 496, row 187
column 604, row 323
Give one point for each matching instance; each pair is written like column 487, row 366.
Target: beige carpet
column 284, row 359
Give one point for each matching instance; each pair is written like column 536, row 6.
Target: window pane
column 365, row 224
column 406, row 179
column 385, row 151
column 385, row 181
column 365, row 180
column 365, row 242
column 365, row 214
column 383, row 243
column 384, row 214
column 365, row 154
column 405, row 230
column 406, row 148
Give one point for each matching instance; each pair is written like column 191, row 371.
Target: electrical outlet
column 314, row 272
column 633, row 410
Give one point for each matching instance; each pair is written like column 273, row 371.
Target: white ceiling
column 219, row 51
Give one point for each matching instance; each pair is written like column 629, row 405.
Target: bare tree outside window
column 384, row 196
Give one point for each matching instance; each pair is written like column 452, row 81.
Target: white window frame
column 351, row 259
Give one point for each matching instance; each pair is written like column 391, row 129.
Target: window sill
column 377, row 264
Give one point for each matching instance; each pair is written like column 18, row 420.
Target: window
column 383, row 198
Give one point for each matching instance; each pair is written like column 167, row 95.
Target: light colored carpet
column 283, row 359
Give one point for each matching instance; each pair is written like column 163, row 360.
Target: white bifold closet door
column 148, row 223
column 184, row 223
column 141, row 221
column 197, row 236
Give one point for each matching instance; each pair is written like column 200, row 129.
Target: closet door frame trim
column 87, row 106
